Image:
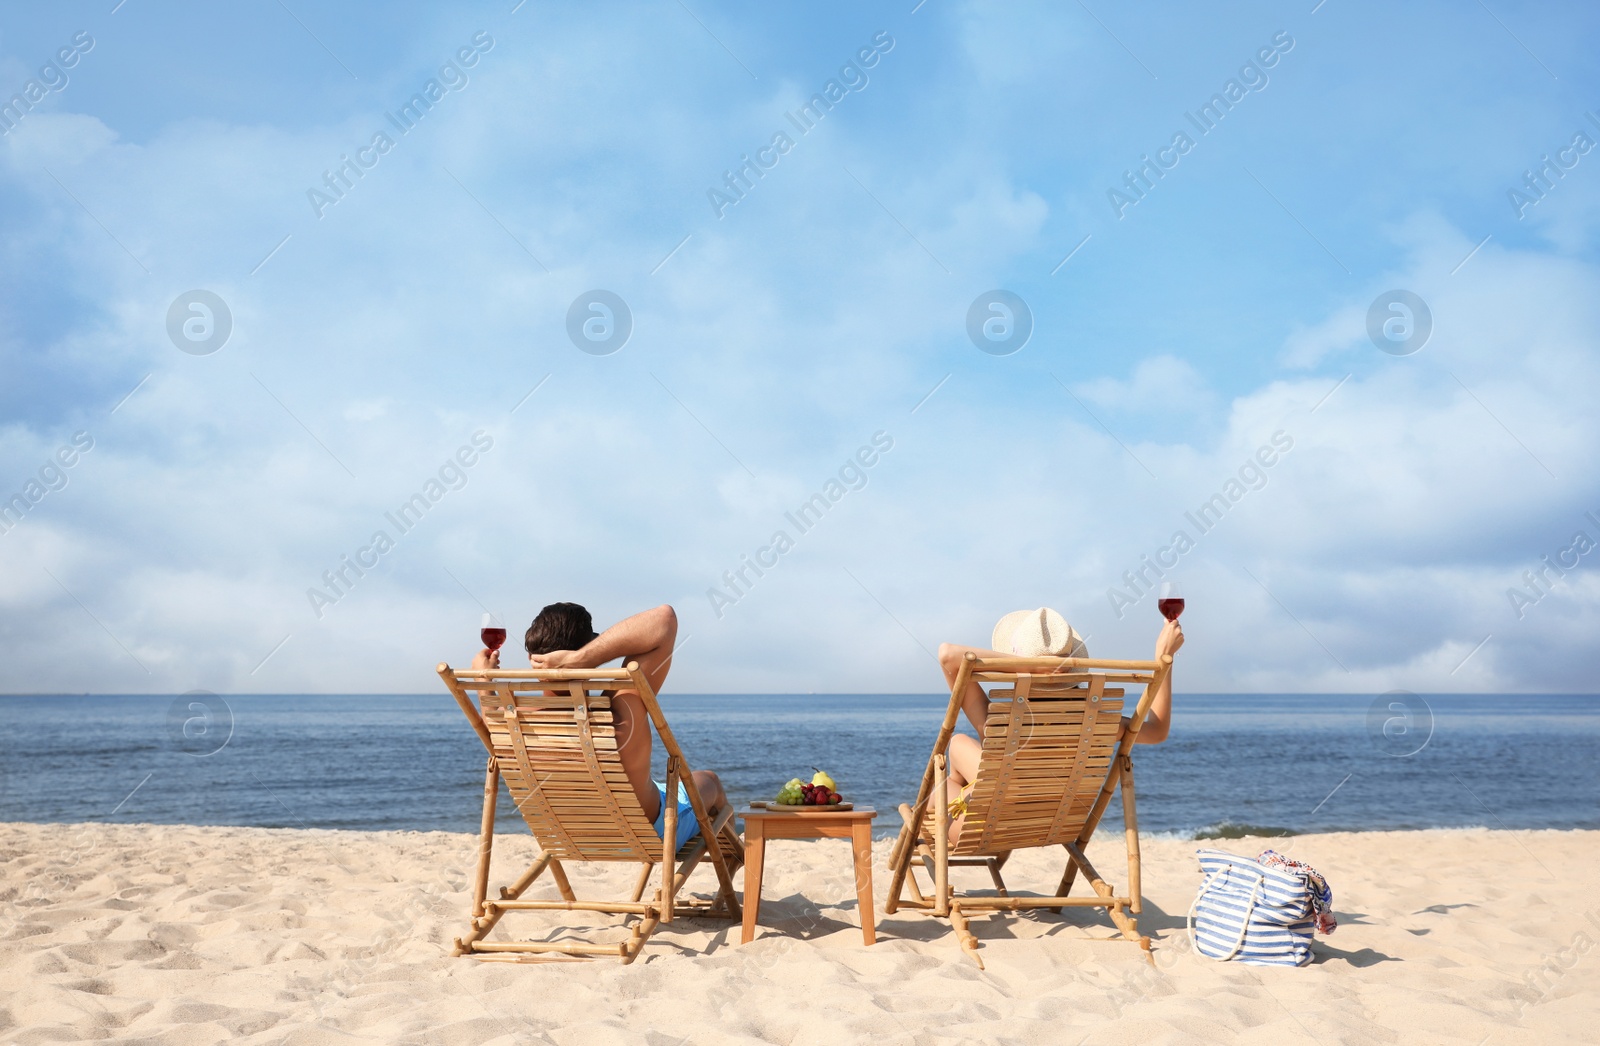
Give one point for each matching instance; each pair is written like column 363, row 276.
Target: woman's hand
column 1170, row 639
column 1158, row 721
column 487, row 659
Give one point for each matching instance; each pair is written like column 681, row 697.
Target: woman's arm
column 1159, row 719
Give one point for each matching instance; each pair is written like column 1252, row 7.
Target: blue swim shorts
column 688, row 827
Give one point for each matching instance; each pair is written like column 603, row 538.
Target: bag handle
column 1244, row 923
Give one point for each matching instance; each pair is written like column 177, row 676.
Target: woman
column 965, row 753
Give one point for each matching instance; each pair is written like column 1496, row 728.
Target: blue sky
column 769, row 343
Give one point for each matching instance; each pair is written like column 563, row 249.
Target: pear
column 821, row 779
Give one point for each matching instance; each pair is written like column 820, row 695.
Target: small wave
column 1224, row 830
column 1240, row 829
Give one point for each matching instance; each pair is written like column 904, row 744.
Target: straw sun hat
column 1037, row 633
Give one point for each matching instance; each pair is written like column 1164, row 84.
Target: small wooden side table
column 761, row 825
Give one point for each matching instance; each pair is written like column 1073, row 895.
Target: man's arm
column 646, row 637
column 1159, row 719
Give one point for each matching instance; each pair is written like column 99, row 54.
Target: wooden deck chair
column 550, row 737
column 1056, row 746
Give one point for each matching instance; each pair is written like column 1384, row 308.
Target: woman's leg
column 964, row 756
column 965, row 753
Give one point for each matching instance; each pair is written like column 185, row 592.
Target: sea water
column 1233, row 764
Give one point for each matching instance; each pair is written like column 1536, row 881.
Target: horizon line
column 792, row 693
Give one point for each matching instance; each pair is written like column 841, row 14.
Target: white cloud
column 1161, row 384
column 787, row 333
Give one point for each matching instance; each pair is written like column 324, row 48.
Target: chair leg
column 941, row 838
column 482, row 920
column 480, row 881
column 518, row 888
column 1068, row 874
column 560, row 875
column 636, row 941
column 900, row 862
column 994, row 873
column 644, row 881
column 486, row 922
column 906, row 844
column 1124, row 922
column 1130, row 822
column 725, row 851
column 669, row 845
column 969, row 943
column 491, row 793
column 911, row 881
column 904, row 839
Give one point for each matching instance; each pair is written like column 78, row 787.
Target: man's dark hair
column 559, row 626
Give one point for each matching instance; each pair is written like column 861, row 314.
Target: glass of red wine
column 493, row 632
column 1170, row 602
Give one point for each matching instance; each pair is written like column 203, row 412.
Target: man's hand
column 1170, row 639
column 487, row 659
column 647, row 637
column 556, row 659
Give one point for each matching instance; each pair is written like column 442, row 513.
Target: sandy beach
column 176, row 934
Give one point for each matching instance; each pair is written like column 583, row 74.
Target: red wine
column 1170, row 608
column 493, row 637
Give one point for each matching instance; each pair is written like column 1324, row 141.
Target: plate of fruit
column 814, row 796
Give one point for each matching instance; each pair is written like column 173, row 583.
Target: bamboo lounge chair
column 1056, row 746
column 550, row 736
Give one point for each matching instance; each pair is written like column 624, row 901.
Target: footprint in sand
column 92, row 987
column 109, row 953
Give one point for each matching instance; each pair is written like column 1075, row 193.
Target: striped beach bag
column 1260, row 911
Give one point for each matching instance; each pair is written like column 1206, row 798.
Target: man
column 563, row 636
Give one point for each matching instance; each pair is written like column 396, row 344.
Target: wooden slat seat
column 551, row 737
column 1056, row 747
